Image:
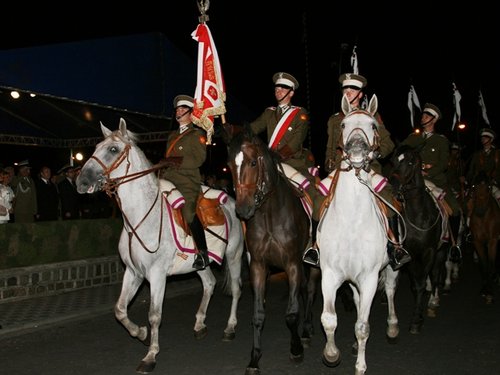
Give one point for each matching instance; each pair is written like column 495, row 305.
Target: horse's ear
column 123, row 127
column 346, row 106
column 373, row 105
column 105, row 131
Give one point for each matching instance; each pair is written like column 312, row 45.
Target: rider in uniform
column 435, row 154
column 352, row 88
column 287, row 127
column 185, row 154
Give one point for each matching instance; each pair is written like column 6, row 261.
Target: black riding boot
column 397, row 254
column 201, row 257
column 311, row 255
column 455, row 252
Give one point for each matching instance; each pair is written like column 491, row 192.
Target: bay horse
column 485, row 229
column 153, row 245
column 423, row 223
column 352, row 237
column 277, row 233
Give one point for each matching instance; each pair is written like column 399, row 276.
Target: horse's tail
column 381, row 280
column 226, row 281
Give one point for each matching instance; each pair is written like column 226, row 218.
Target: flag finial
column 203, row 6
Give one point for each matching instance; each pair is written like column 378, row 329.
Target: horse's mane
column 131, row 137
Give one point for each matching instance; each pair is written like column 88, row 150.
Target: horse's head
column 359, row 134
column 253, row 169
column 110, row 159
column 406, row 167
column 481, row 194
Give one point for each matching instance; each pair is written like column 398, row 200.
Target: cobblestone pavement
column 18, row 316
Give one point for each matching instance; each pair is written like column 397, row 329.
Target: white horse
column 352, row 237
column 153, row 245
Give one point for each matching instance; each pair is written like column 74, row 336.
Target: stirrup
column 200, row 261
column 311, row 256
column 398, row 260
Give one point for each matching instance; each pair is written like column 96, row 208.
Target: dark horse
column 485, row 229
column 423, row 224
column 277, row 233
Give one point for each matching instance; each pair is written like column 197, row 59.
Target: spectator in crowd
column 25, row 205
column 70, row 199
column 47, row 196
column 6, row 197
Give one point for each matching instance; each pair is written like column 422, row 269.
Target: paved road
column 462, row 339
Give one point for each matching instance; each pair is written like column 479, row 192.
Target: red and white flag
column 210, row 95
column 456, row 101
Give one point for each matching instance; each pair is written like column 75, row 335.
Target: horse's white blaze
column 238, row 161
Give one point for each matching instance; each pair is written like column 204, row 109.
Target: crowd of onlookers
column 47, row 196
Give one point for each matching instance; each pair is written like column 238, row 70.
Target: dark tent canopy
column 66, row 91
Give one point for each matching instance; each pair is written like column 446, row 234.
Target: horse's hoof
column 392, row 340
column 488, row 299
column 446, row 290
column 296, row 358
column 306, row 342
column 329, row 363
column 252, row 371
column 431, row 312
column 415, row 328
column 145, row 367
column 228, row 336
column 354, row 349
column 201, row 334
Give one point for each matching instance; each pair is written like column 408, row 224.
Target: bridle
column 261, row 187
column 404, row 189
column 110, row 186
column 373, row 145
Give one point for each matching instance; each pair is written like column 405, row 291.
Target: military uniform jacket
column 191, row 146
column 488, row 163
column 294, row 136
column 334, row 152
column 435, row 152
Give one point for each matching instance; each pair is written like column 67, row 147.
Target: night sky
column 396, row 47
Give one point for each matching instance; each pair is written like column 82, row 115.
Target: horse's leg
column 329, row 287
column 449, row 270
column 131, row 282
column 208, row 280
column 314, row 275
column 292, row 318
column 233, row 261
column 157, row 292
column 258, row 279
column 419, row 282
column 491, row 268
column 362, row 326
column 391, row 283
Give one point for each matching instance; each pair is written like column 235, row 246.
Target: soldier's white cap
column 285, row 80
column 487, row 132
column 184, row 101
column 352, row 80
column 432, row 110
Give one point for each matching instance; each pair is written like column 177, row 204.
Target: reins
column 111, row 185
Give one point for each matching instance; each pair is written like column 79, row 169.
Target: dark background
column 398, row 46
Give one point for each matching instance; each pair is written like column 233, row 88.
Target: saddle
column 208, row 206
